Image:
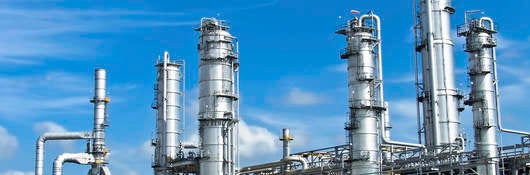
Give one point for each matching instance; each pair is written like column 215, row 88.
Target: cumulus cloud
column 47, row 126
column 255, row 140
column 299, row 97
column 15, row 172
column 8, row 144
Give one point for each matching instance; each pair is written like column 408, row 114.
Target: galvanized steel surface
column 217, row 98
column 479, row 45
column 440, row 96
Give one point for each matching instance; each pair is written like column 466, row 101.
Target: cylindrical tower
column 364, row 95
column 218, row 67
column 100, row 100
column 167, row 103
column 440, row 97
column 480, row 44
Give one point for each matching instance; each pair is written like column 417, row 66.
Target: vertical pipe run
column 168, row 106
column 218, row 64
column 440, row 96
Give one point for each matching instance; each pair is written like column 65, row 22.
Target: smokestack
column 168, row 97
column 100, row 100
column 218, row 106
column 440, row 98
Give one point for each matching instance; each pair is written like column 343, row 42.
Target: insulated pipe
column 184, row 163
column 100, row 100
column 497, row 100
column 78, row 158
column 286, row 138
column 434, row 93
column 379, row 52
column 39, row 161
column 271, row 165
column 386, row 138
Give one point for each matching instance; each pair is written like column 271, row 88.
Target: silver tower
column 218, row 105
column 440, row 97
column 100, row 100
column 480, row 44
column 365, row 93
column 168, row 97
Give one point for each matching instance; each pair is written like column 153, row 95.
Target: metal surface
column 286, row 139
column 479, row 44
column 218, row 65
column 440, row 97
column 78, row 158
column 39, row 160
column 168, row 105
column 364, row 98
column 100, row 100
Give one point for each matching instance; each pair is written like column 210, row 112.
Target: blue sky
column 291, row 74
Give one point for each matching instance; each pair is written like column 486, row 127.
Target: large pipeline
column 39, row 161
column 100, row 100
column 77, row 158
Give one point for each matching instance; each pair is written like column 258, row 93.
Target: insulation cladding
column 364, row 105
column 480, row 44
column 218, row 106
column 168, row 105
column 100, row 100
column 440, row 97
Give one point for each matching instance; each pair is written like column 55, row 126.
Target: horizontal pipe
column 77, row 158
column 386, row 138
column 497, row 100
column 271, row 165
column 39, row 161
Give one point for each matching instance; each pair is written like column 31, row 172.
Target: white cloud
column 405, row 78
column 8, row 144
column 255, row 141
column 32, row 35
column 43, row 127
column 15, row 172
column 50, row 93
column 512, row 48
column 299, row 97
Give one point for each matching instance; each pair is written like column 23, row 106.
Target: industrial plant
column 370, row 150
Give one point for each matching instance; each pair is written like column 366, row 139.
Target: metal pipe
column 39, row 161
column 77, row 158
column 100, row 100
column 497, row 99
column 184, row 163
column 386, row 138
column 433, row 76
column 272, row 165
column 379, row 52
column 286, row 138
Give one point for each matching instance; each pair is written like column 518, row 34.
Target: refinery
column 369, row 150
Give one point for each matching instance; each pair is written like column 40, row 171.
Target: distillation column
column 480, row 44
column 364, row 104
column 100, row 100
column 167, row 103
column 440, row 97
column 218, row 106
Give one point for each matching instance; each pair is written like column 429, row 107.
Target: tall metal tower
column 480, row 44
column 100, row 100
column 440, row 98
column 168, row 98
column 365, row 93
column 218, row 99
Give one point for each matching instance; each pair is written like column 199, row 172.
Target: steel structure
column 218, row 98
column 167, row 103
column 439, row 96
column 365, row 97
column 97, row 153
